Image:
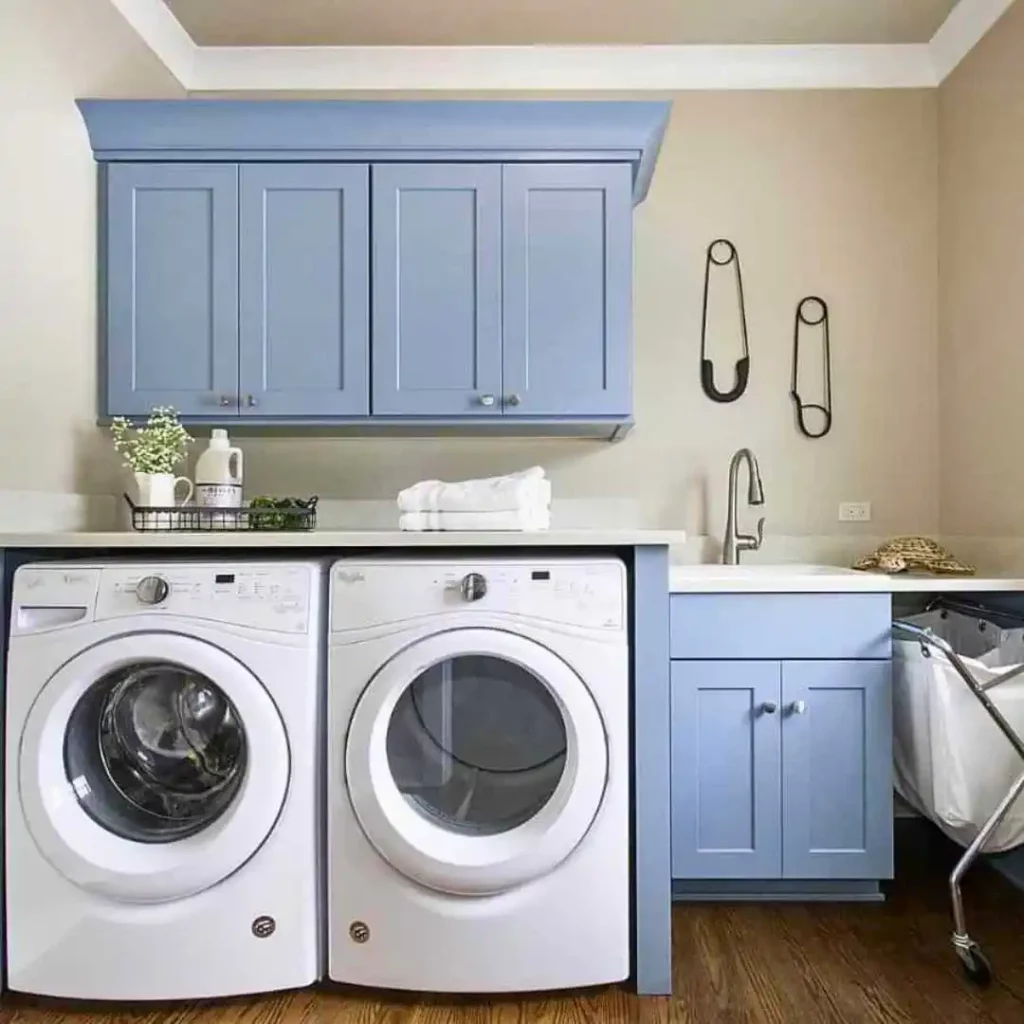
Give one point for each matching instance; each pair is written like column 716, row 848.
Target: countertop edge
column 256, row 539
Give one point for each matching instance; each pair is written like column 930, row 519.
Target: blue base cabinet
column 781, row 767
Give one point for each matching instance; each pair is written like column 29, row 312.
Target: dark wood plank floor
column 783, row 964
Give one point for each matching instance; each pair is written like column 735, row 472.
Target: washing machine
column 478, row 774
column 162, row 779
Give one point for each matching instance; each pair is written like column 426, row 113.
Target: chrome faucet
column 734, row 541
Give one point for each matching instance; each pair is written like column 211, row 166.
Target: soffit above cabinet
column 567, row 22
column 506, row 131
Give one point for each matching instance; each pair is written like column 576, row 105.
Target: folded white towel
column 528, row 489
column 521, row 520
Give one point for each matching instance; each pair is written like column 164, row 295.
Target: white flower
column 158, row 447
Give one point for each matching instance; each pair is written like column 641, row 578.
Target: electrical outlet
column 855, row 512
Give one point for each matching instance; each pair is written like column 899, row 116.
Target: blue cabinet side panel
column 304, row 290
column 725, row 769
column 652, row 796
column 837, row 806
column 567, row 289
column 172, row 288
column 781, row 626
column 4, row 626
column 436, row 289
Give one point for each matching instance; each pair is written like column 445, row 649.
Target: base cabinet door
column 837, row 807
column 725, row 769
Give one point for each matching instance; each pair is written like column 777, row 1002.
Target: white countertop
column 602, row 538
column 754, row 578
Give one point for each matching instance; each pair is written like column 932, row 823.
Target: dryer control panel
column 580, row 593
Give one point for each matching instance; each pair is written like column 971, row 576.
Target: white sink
column 759, row 569
column 762, row 577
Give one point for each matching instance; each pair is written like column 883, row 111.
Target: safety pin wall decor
column 726, row 256
column 805, row 321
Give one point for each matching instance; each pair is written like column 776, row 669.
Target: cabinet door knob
column 769, row 707
column 514, row 399
column 225, row 400
column 798, row 707
column 250, row 400
column 487, row 400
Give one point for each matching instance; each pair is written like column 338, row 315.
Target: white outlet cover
column 855, row 512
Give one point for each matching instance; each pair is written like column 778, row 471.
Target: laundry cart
column 958, row 712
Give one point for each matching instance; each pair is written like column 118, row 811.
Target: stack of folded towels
column 519, row 501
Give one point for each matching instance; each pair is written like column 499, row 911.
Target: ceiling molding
column 161, row 31
column 559, row 68
column 962, row 30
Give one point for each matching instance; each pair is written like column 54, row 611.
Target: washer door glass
column 475, row 760
column 155, row 752
column 477, row 744
column 152, row 766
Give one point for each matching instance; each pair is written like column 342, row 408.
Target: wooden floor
column 786, row 964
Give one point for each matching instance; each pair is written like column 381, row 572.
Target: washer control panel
column 272, row 597
column 581, row 593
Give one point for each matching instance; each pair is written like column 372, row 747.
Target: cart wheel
column 976, row 965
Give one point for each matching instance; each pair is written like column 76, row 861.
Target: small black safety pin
column 825, row 408
column 707, row 367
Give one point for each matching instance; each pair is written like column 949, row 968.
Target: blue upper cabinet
column 837, row 804
column 567, row 275
column 436, row 289
column 171, row 283
column 304, row 330
column 362, row 263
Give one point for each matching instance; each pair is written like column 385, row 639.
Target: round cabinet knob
column 487, row 400
column 152, row 589
column 225, row 401
column 769, row 707
column 474, row 586
column 798, row 707
column 514, row 399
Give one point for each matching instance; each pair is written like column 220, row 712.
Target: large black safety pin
column 707, row 367
column 825, row 408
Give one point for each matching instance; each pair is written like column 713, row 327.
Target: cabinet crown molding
column 505, row 131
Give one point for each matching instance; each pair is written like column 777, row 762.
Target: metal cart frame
column 975, row 963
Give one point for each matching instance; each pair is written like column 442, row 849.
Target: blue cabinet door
column 437, row 290
column 725, row 769
column 171, row 273
column 837, row 808
column 567, row 289
column 304, row 301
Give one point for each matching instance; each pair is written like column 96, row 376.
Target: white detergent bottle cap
column 218, row 438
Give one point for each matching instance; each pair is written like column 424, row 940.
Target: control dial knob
column 152, row 589
column 474, row 586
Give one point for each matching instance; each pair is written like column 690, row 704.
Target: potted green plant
column 153, row 452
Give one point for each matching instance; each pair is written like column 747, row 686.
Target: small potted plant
column 153, row 452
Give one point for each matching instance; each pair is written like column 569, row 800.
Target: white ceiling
column 528, row 22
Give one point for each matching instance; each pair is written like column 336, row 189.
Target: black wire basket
column 269, row 514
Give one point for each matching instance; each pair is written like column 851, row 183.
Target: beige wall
column 981, row 132
column 829, row 192
column 833, row 193
column 51, row 52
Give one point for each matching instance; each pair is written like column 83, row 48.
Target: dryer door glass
column 155, row 752
column 477, row 744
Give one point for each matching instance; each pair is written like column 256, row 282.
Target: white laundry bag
column 952, row 763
